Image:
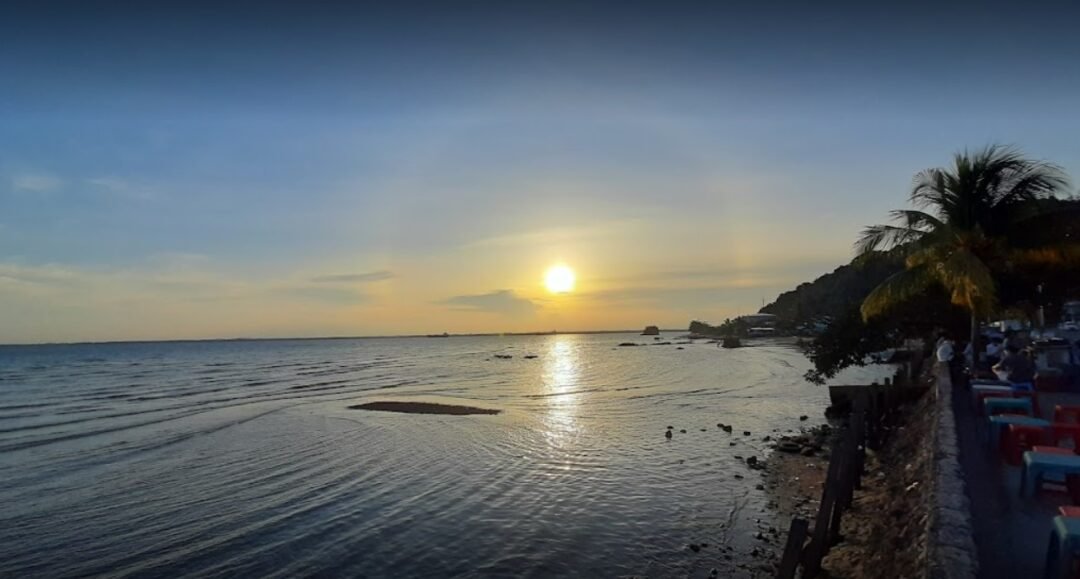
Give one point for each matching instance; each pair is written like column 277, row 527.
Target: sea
column 243, row 458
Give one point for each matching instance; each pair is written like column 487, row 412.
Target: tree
column 962, row 228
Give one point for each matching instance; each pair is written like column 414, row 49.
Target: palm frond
column 897, row 289
column 884, row 237
column 916, row 219
column 968, row 281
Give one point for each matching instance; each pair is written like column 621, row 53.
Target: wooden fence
column 874, row 410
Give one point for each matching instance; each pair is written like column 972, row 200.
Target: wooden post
column 842, row 483
column 874, row 423
column 819, row 538
column 858, row 425
column 789, row 561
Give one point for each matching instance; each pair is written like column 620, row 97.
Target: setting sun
column 559, row 279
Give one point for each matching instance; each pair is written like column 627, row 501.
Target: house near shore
column 759, row 321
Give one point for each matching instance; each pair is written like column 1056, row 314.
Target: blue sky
column 267, row 170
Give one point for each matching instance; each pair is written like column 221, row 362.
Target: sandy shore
column 423, row 408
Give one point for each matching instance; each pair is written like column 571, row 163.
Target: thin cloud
column 332, row 295
column 504, row 302
column 367, row 277
column 122, row 188
column 36, row 183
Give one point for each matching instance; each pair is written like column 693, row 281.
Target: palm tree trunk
column 974, row 343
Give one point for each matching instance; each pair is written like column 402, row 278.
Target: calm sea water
column 241, row 458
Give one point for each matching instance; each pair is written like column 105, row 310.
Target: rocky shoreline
column 886, row 526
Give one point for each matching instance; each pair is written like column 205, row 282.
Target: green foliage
column 730, row 327
column 962, row 234
column 985, row 233
column 850, row 340
column 831, row 295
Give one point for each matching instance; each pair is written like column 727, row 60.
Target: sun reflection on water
column 561, row 373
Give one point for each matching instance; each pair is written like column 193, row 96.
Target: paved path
column 1011, row 533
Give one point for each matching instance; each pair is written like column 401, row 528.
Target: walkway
column 1011, row 532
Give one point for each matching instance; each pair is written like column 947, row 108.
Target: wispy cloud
column 36, row 183
column 504, row 302
column 123, row 188
column 366, row 277
column 558, row 235
column 333, row 295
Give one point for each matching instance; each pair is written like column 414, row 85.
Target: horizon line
column 298, row 338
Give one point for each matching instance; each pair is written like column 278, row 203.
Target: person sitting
column 993, row 352
column 944, row 351
column 1016, row 367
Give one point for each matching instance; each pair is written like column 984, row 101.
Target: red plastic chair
column 1019, row 439
column 1063, row 414
column 1050, row 383
column 1069, row 511
column 1065, row 431
column 1052, row 450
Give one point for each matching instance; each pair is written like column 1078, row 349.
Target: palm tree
column 961, row 229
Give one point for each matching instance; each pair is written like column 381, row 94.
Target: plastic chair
column 1019, row 438
column 1052, row 449
column 1062, row 551
column 1030, row 395
column 1010, row 405
column 1065, row 431
column 1069, row 511
column 1064, row 413
column 982, row 395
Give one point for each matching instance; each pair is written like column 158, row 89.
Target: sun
column 559, row 279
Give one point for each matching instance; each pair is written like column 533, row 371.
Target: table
column 1001, row 421
column 1037, row 464
column 992, row 404
column 1063, row 547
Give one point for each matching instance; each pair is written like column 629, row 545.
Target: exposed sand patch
column 423, row 408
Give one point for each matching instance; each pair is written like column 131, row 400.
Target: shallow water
column 240, row 457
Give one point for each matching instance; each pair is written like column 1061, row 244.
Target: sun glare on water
column 559, row 279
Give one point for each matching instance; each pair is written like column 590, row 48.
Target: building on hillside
column 759, row 320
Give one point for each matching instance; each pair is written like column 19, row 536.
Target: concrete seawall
column 950, row 536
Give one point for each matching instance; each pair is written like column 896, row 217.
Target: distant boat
column 442, row 335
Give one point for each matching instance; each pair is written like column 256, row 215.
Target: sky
column 264, row 169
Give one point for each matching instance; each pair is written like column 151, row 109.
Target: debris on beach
column 531, row 356
column 682, row 430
